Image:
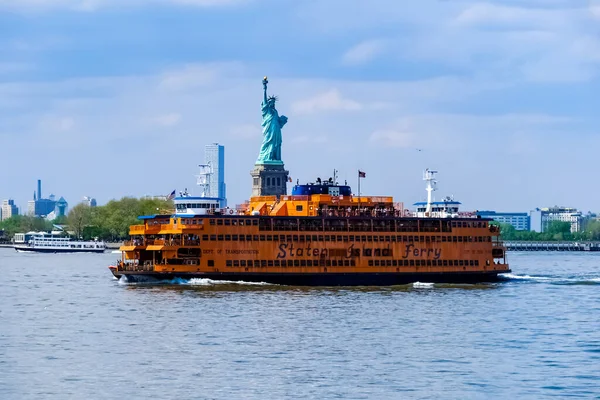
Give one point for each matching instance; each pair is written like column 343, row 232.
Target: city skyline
column 499, row 97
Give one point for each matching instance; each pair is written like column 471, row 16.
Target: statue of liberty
column 270, row 151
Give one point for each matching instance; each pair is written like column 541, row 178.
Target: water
column 68, row 330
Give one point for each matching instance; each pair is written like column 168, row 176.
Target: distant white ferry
column 47, row 243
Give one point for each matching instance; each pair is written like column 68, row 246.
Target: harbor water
column 69, row 330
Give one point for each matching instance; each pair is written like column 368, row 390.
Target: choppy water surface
column 69, row 330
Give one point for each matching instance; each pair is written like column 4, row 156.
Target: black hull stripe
column 324, row 279
column 38, row 250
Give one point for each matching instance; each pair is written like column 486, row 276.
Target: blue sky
column 108, row 98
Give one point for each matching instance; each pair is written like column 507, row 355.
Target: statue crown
column 274, row 98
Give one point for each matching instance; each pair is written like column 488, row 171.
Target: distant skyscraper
column 214, row 154
column 90, row 201
column 39, row 206
column 61, row 207
column 8, row 209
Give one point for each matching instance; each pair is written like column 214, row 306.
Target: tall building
column 519, row 220
column 214, row 155
column 40, row 207
column 8, row 209
column 90, row 201
column 541, row 218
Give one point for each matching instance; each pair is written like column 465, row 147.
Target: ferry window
column 427, row 239
column 219, row 222
column 345, row 239
column 248, row 238
column 276, row 238
column 296, row 263
column 278, row 181
column 376, row 238
column 320, row 238
column 211, row 263
column 204, row 237
column 477, row 263
column 418, row 263
column 460, row 238
column 460, row 263
column 263, row 263
column 429, row 263
column 268, row 181
column 411, row 263
column 270, row 263
column 299, row 207
column 257, row 263
column 295, row 238
column 489, row 239
column 276, row 263
column 333, row 238
column 301, row 237
column 453, row 224
column 328, row 263
column 242, row 238
column 255, row 238
column 262, row 238
column 443, row 239
column 388, row 263
column 288, row 238
column 309, row 263
column 227, row 237
column 377, row 263
column 234, row 238
column 243, row 263
column 303, row 263
column 236, row 263
column 327, row 238
column 228, row 263
column 234, row 222
column 351, row 237
column 471, row 263
column 254, row 222
column 445, row 262
column 227, row 222
column 241, row 222
column 454, row 239
column 220, row 238
column 269, row 238
column 213, row 237
column 334, row 263
column 315, row 238
column 456, row 263
column 352, row 263
column 369, row 238
column 422, row 239
column 370, row 263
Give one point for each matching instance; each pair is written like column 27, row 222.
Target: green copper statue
column 270, row 151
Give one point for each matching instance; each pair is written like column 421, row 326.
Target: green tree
column 79, row 217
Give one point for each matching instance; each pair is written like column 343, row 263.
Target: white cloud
column 193, row 76
column 245, row 131
column 331, row 100
column 93, row 5
column 167, row 120
column 364, row 52
column 393, row 138
column 54, row 124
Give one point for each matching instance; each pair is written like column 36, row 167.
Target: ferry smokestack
column 39, row 193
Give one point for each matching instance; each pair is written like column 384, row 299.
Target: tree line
column 109, row 222
column 556, row 231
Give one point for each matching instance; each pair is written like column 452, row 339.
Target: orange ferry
column 322, row 234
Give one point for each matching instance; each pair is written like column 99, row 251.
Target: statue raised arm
column 270, row 151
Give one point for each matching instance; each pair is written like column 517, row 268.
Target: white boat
column 47, row 243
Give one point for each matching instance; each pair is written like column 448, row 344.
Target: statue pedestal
column 269, row 179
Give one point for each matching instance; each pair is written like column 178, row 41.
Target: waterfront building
column 214, row 158
column 90, row 201
column 521, row 221
column 9, row 209
column 41, row 207
column 540, row 218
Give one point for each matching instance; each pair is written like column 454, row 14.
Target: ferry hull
column 320, row 279
column 41, row 250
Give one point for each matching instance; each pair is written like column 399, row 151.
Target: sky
column 113, row 98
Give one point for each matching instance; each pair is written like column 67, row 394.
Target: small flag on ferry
column 362, row 174
column 171, row 196
column 290, row 179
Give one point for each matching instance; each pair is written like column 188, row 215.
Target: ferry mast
column 204, row 178
column 429, row 177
